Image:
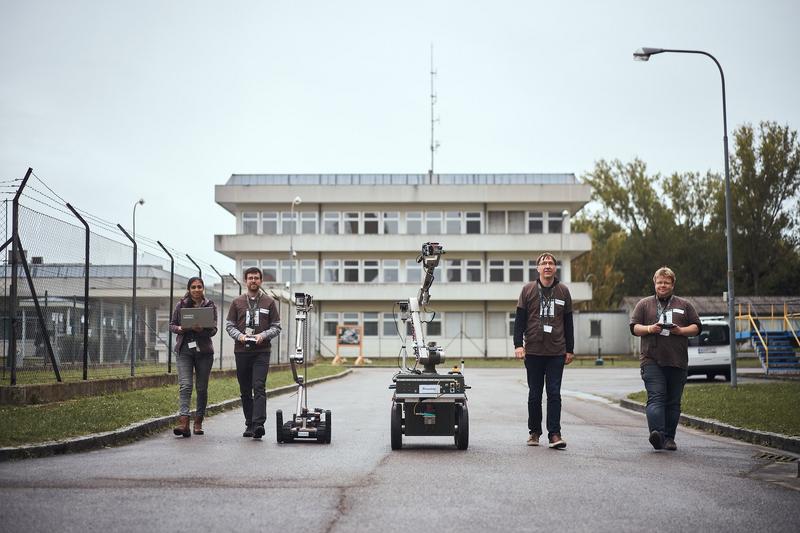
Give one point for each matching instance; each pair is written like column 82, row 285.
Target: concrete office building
column 356, row 238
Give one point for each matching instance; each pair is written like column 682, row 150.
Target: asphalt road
column 607, row 479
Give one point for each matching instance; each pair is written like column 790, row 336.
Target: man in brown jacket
column 664, row 322
column 253, row 321
column 544, row 336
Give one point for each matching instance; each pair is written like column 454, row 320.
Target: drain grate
column 775, row 457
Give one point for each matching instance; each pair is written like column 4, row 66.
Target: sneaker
column 669, row 444
column 248, row 432
column 533, row 439
column 656, row 439
column 556, row 442
column 258, row 432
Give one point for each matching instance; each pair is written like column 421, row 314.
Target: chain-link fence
column 124, row 323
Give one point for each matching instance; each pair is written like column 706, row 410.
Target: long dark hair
column 188, row 295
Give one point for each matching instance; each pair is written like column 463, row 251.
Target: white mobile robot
column 304, row 424
column 426, row 403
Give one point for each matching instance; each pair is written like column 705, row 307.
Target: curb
column 762, row 438
column 134, row 431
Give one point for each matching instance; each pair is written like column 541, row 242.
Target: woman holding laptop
column 194, row 322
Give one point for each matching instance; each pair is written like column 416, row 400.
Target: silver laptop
column 197, row 317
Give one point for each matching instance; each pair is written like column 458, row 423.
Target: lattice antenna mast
column 434, row 118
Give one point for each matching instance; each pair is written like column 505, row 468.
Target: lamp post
column 643, row 54
column 297, row 201
column 139, row 202
column 564, row 216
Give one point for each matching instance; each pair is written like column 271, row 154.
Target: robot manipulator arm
column 430, row 256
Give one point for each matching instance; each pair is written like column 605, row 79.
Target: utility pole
column 434, row 119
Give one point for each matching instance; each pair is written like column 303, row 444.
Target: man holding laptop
column 253, row 321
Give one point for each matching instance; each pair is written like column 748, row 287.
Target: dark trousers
column 664, row 385
column 544, row 369
column 251, row 371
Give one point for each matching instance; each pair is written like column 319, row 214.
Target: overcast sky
column 110, row 101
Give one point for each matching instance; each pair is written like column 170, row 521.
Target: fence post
column 221, row 314
column 133, row 303
column 85, row 296
column 12, row 343
column 199, row 270
column 237, row 282
column 169, row 307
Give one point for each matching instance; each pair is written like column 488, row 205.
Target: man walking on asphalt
column 664, row 322
column 544, row 336
column 253, row 321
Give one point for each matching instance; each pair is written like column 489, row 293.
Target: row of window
column 449, row 324
column 391, row 222
column 390, row 271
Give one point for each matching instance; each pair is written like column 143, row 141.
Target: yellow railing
column 788, row 322
column 785, row 321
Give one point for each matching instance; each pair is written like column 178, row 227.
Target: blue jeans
column 544, row 369
column 189, row 361
column 251, row 371
column 664, row 386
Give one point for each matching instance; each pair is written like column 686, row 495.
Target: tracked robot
column 305, row 424
column 426, row 402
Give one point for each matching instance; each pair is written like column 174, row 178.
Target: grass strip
column 29, row 424
column 769, row 406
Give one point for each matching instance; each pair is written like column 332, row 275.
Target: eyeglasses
column 547, row 263
column 196, row 287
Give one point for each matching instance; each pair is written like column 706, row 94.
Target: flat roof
column 402, row 179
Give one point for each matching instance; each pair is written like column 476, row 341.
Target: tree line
column 640, row 221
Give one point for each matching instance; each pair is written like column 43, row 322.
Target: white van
column 710, row 352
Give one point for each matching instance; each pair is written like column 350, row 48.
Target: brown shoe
column 198, row 425
column 533, row 439
column 183, row 426
column 669, row 444
column 556, row 442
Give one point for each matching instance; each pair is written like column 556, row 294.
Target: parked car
column 710, row 351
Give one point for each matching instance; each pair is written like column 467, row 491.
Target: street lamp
column 139, row 202
column 643, row 54
column 564, row 216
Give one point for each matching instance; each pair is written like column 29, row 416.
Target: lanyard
column 252, row 308
column 546, row 303
column 661, row 312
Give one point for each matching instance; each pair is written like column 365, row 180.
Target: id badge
column 192, row 345
column 548, row 328
column 249, row 331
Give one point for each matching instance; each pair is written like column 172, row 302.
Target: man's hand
column 519, row 353
column 654, row 329
column 242, row 338
column 570, row 357
column 260, row 339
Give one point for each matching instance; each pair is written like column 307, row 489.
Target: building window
column 248, row 263
column 473, row 270
column 371, row 271
column 516, row 222
column 329, row 323
column 413, row 271
column 452, row 324
column 433, row 326
column 351, row 271
column 497, row 222
column 473, row 325
column 350, row 319
column 269, row 270
column 433, row 222
column 330, row 222
column 512, row 317
column 392, row 325
column 287, row 222
column 391, row 223
column 497, row 325
column 371, row 224
column 452, row 269
column 516, row 270
column 535, row 222
column 391, row 270
column 249, row 223
column 496, row 268
column 330, row 270
column 473, row 222
column 414, row 223
column 308, row 222
column 452, row 222
column 370, row 324
column 533, row 273
column 351, row 223
column 287, row 267
column 308, row 270
column 269, row 223
column 554, row 222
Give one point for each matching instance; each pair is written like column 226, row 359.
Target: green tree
column 765, row 180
